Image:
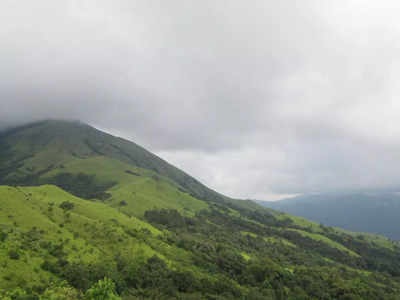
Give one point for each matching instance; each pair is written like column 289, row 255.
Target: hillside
column 376, row 212
column 82, row 212
column 49, row 145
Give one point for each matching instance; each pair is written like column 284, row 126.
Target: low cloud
column 257, row 100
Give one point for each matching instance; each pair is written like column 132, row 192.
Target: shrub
column 123, row 203
column 66, row 205
column 102, row 290
column 3, row 236
column 13, row 254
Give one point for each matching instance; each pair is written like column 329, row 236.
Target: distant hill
column 84, row 213
column 377, row 212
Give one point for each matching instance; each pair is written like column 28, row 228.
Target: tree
column 102, row 290
column 60, row 292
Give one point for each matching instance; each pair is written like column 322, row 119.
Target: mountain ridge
column 114, row 148
column 356, row 211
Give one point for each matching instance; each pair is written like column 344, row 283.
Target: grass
column 245, row 256
column 300, row 222
column 374, row 239
column 278, row 240
column 88, row 232
column 253, row 235
column 271, row 239
column 140, row 192
column 324, row 239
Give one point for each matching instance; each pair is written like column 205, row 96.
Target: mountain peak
column 35, row 149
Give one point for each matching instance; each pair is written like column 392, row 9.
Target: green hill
column 79, row 206
column 34, row 149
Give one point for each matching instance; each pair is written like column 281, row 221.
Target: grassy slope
column 26, row 208
column 95, row 230
column 313, row 227
column 324, row 239
column 90, row 232
column 142, row 191
column 53, row 143
column 75, row 148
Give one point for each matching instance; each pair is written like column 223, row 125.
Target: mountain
column 48, row 145
column 86, row 215
column 374, row 212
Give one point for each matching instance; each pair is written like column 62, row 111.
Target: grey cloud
column 256, row 99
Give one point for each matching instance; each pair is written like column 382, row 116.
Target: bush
column 61, row 291
column 81, row 185
column 102, row 290
column 13, row 254
column 3, row 236
column 66, row 205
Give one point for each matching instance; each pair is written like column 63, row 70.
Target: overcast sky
column 257, row 99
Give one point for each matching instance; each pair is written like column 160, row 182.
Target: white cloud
column 258, row 99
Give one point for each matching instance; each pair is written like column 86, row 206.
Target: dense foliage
column 152, row 232
column 229, row 257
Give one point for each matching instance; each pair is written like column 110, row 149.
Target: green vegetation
column 324, row 239
column 102, row 290
column 85, row 215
